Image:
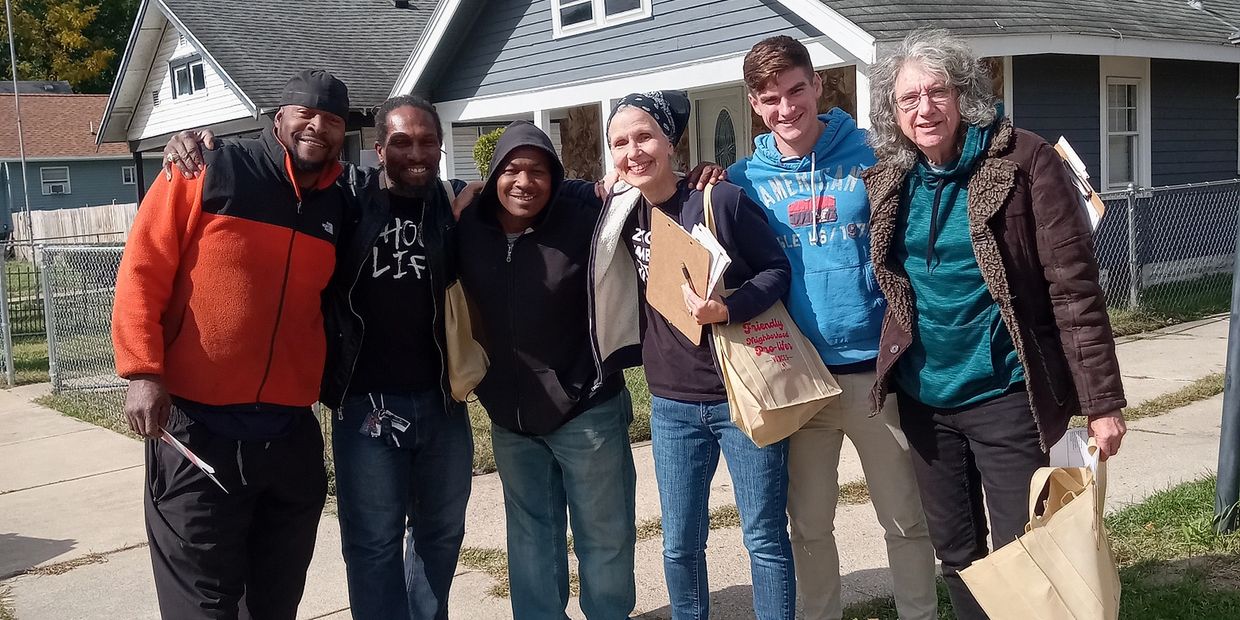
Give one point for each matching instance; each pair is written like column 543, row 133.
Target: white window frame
column 188, row 64
column 131, row 172
column 1125, row 70
column 601, row 19
column 1134, row 132
column 47, row 185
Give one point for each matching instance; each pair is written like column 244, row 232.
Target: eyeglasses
column 937, row 96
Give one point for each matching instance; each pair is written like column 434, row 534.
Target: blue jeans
column 585, row 468
column 415, row 480
column 687, row 438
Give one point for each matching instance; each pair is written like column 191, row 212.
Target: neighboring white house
column 221, row 64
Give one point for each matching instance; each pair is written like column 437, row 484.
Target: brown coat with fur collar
column 1036, row 254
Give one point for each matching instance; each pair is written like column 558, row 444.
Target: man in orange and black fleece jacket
column 219, row 328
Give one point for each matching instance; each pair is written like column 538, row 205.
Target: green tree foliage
column 79, row 41
column 484, row 150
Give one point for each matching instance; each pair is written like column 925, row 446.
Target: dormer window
column 188, row 77
column 571, row 17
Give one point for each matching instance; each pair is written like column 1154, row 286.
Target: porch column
column 605, row 154
column 542, row 120
column 863, row 95
column 1008, row 97
column 447, row 168
column 139, row 176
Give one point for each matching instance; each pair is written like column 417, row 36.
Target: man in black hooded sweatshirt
column 560, row 414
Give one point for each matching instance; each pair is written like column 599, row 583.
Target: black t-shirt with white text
column 394, row 297
column 675, row 367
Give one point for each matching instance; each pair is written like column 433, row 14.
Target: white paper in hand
column 719, row 259
column 1073, row 451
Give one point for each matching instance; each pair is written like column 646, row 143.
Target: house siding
column 511, row 45
column 1193, row 121
column 219, row 104
column 1057, row 95
column 464, row 137
column 91, row 182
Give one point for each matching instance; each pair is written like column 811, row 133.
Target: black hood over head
column 520, row 134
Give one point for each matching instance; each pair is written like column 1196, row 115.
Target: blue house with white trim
column 1146, row 90
column 64, row 167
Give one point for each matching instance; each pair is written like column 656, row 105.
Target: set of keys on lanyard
column 381, row 422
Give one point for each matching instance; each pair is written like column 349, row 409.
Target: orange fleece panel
column 161, row 231
column 235, row 331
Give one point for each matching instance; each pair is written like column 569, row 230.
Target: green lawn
column 1175, row 302
column 1172, row 564
column 6, row 604
column 21, row 278
column 104, row 409
column 639, row 430
column 29, row 360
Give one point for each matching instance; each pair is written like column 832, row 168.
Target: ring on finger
column 171, row 157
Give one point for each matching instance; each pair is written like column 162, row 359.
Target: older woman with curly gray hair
column 997, row 331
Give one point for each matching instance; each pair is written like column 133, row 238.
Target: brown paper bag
column 775, row 379
column 467, row 360
column 1062, row 568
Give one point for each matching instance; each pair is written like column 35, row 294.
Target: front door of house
column 721, row 126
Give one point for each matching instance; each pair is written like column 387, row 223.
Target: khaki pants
column 813, row 490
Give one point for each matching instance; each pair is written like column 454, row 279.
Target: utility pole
column 17, row 106
column 1227, row 491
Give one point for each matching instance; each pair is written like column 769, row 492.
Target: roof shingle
column 1171, row 20
column 55, row 126
column 261, row 43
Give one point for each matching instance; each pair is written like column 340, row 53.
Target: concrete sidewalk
column 71, row 505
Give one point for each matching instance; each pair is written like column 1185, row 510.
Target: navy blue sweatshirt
column 760, row 273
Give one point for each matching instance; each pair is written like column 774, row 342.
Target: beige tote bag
column 467, row 360
column 1062, row 568
column 774, row 377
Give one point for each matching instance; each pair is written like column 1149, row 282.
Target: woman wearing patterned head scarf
column 690, row 422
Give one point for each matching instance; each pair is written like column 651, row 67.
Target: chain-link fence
column 79, row 286
column 1170, row 250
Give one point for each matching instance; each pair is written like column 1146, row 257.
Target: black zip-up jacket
column 532, row 301
column 368, row 213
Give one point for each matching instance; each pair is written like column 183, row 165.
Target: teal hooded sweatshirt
column 961, row 353
column 820, row 212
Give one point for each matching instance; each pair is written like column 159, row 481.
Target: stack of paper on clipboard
column 677, row 257
column 1080, row 178
column 719, row 259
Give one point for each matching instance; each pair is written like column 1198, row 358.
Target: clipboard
column 673, row 252
column 1093, row 204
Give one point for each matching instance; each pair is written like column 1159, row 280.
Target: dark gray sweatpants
column 243, row 554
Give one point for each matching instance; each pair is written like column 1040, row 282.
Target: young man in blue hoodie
column 806, row 173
